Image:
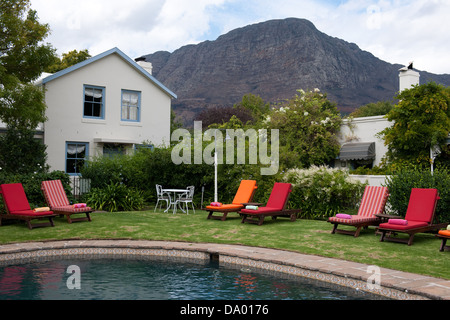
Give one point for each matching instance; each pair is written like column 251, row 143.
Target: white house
column 105, row 105
column 360, row 145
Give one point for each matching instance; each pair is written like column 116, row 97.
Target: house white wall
column 365, row 129
column 64, row 97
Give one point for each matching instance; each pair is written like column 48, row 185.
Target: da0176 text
column 243, row 309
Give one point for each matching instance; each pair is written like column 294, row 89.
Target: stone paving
column 393, row 284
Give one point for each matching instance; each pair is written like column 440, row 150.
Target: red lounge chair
column 57, row 200
column 18, row 208
column 244, row 194
column 419, row 217
column 373, row 202
column 275, row 207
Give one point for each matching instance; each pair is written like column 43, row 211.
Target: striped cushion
column 356, row 219
column 373, row 201
column 54, row 193
column 70, row 208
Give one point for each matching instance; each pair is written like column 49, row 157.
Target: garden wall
column 372, row 179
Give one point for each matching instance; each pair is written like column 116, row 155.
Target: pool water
column 124, row 279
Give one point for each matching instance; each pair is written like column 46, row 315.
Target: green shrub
column 401, row 183
column 115, row 197
column 322, row 192
column 146, row 168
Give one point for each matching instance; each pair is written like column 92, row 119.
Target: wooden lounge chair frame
column 444, row 239
column 61, row 206
column 223, row 212
column 258, row 217
column 381, row 194
column 27, row 218
column 384, row 229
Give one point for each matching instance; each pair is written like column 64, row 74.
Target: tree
column 421, row 121
column 308, row 125
column 22, row 59
column 255, row 104
column 21, row 153
column 68, row 59
column 372, row 109
column 217, row 116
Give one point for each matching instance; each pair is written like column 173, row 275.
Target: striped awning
column 357, row 151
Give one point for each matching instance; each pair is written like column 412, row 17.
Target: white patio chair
column 186, row 198
column 162, row 196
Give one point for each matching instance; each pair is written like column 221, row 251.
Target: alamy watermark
column 374, row 281
column 234, row 140
column 74, row 281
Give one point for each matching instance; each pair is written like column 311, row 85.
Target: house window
column 112, row 150
column 131, row 105
column 138, row 147
column 76, row 156
column 94, row 102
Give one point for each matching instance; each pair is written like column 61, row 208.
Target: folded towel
column 80, row 205
column 43, row 209
column 251, row 207
column 343, row 216
column 216, row 204
column 398, row 222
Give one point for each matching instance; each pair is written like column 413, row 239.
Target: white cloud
column 396, row 31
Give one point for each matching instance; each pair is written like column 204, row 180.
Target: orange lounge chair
column 18, row 207
column 444, row 235
column 419, row 217
column 275, row 207
column 373, row 202
column 244, row 194
column 59, row 203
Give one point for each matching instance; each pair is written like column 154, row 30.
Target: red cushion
column 422, row 204
column 410, row 225
column 15, row 197
column 31, row 213
column 279, row 195
column 260, row 210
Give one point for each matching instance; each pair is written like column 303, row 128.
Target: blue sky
column 396, row 31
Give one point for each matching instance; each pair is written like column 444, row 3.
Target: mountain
column 273, row 59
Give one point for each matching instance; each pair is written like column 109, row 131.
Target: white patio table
column 173, row 201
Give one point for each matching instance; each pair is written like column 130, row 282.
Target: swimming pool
column 135, row 279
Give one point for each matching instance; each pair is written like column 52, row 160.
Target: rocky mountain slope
column 273, row 59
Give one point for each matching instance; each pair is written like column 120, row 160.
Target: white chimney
column 408, row 77
column 147, row 66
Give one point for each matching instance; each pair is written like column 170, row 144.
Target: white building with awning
column 360, row 144
column 107, row 105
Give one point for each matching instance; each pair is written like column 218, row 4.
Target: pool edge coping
column 393, row 283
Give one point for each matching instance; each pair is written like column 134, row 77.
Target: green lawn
column 305, row 236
